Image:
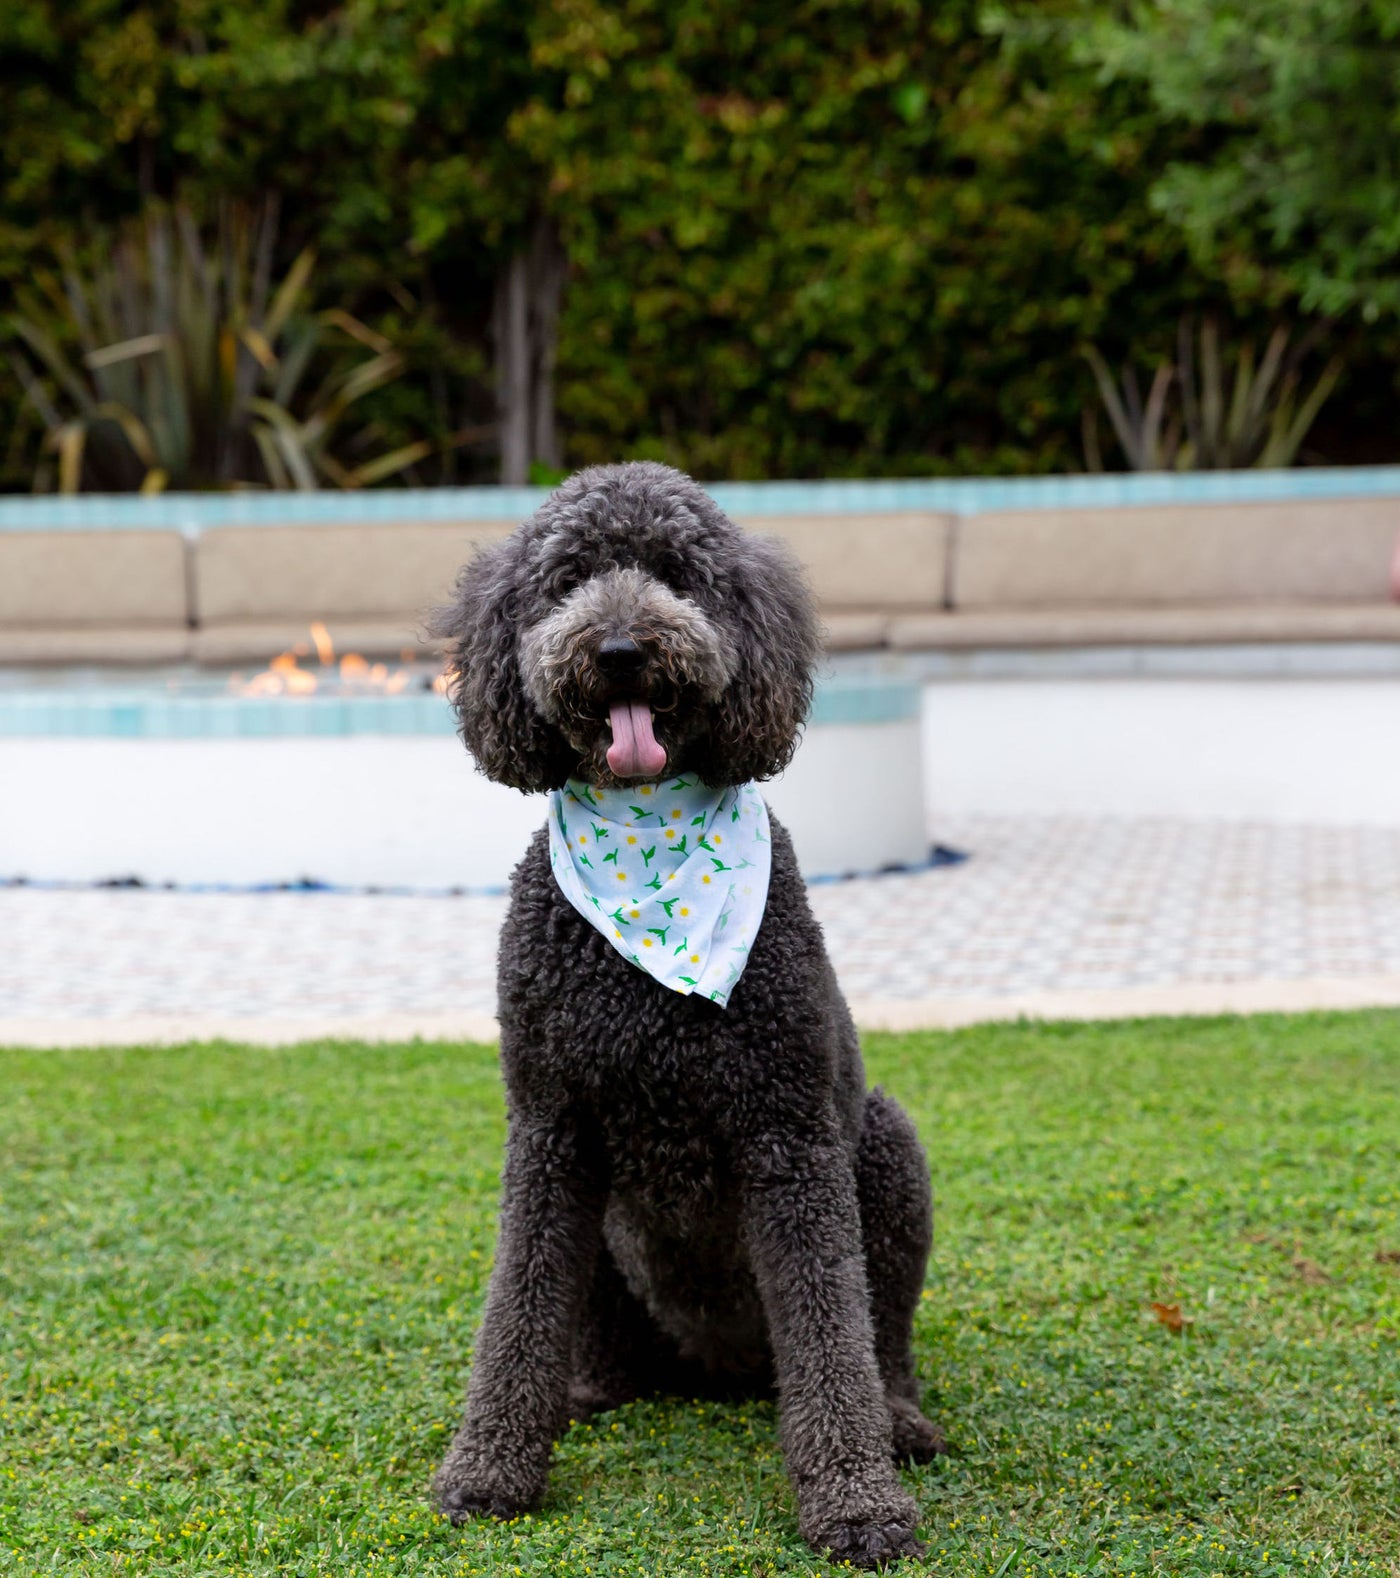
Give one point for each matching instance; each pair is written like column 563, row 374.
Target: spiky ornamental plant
column 1215, row 408
column 174, row 360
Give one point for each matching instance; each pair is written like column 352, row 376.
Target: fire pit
column 324, row 768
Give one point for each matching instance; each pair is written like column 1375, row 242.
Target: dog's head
column 626, row 630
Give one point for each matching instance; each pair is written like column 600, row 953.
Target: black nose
column 620, row 654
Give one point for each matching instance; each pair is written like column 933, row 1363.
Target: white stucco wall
column 374, row 810
column 1276, row 750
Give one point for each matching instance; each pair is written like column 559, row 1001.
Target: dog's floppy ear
column 511, row 742
column 772, row 622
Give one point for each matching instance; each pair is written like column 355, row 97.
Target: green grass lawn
column 238, row 1291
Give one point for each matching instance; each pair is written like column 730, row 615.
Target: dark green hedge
column 832, row 236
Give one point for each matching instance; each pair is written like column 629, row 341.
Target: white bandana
column 674, row 874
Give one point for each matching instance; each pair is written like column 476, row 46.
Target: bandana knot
column 674, row 874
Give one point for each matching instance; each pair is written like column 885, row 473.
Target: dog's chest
column 666, row 1171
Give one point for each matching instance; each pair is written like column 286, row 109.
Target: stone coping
column 155, row 712
column 192, row 512
column 1190, row 999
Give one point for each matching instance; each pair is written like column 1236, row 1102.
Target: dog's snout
column 620, row 655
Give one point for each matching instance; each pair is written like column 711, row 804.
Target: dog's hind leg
column 896, row 1223
column 619, row 1352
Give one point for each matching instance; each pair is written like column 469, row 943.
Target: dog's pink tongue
column 635, row 751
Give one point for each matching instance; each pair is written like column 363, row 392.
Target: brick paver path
column 1043, row 904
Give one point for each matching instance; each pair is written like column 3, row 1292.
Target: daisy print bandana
column 674, row 874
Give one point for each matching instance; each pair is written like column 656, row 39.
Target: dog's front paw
column 867, row 1525
column 874, row 1544
column 469, row 1484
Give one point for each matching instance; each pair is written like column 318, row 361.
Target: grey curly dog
column 694, row 1196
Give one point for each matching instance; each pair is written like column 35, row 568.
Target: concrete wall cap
column 1305, row 552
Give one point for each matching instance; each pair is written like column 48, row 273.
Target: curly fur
column 693, row 1196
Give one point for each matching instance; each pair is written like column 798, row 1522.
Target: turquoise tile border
column 866, row 701
column 100, row 712
column 190, row 512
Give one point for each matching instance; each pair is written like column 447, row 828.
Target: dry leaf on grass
column 1388, row 1257
column 1171, row 1317
column 1309, row 1270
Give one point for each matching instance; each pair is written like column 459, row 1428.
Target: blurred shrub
column 1288, row 180
column 177, row 360
column 861, row 236
column 806, row 236
column 1216, row 408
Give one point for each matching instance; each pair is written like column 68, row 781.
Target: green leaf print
column 684, row 822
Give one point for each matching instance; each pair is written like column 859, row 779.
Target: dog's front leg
column 803, row 1228
column 551, row 1222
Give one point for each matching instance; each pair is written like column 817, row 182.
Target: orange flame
column 283, row 677
column 325, row 647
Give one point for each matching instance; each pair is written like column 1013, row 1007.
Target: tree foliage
column 1292, row 180
column 805, row 236
column 841, row 228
